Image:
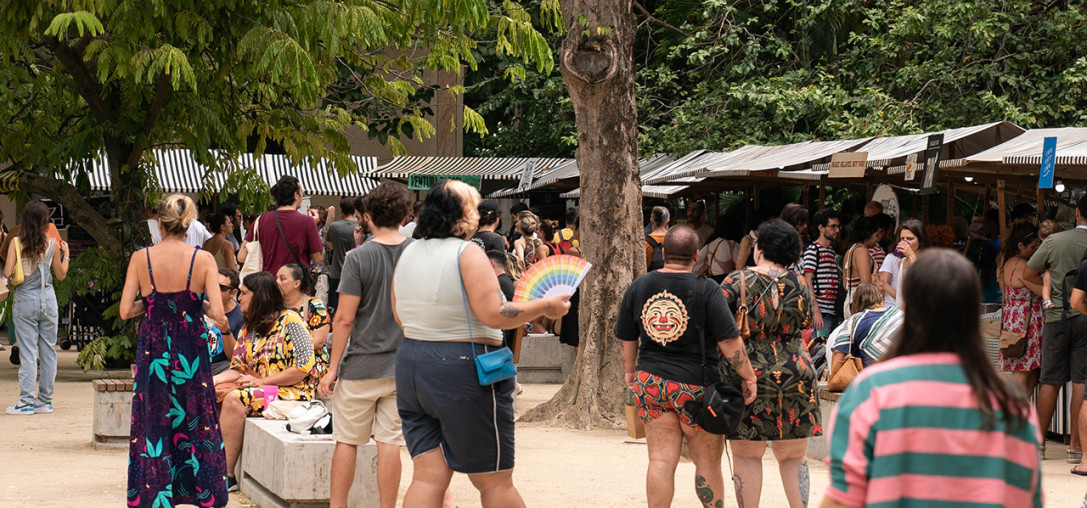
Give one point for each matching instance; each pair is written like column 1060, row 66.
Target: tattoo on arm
column 738, row 359
column 706, row 494
column 805, row 482
column 510, row 310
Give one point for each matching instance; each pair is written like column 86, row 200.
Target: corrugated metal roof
column 490, row 168
column 648, row 191
column 885, row 150
column 1027, row 148
column 177, row 171
column 570, row 171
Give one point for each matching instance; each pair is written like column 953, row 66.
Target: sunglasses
column 226, row 288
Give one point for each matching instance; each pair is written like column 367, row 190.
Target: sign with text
column 526, row 176
column 425, row 182
column 932, row 163
column 848, row 164
column 1049, row 162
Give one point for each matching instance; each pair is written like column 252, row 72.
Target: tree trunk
column 598, row 67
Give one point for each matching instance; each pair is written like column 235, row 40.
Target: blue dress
column 176, row 449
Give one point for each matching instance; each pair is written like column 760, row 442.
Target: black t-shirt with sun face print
column 656, row 311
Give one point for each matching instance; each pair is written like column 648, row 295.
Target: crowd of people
column 325, row 313
column 865, row 302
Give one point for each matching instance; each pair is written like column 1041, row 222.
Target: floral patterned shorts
column 654, row 396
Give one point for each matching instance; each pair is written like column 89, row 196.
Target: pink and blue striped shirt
column 908, row 433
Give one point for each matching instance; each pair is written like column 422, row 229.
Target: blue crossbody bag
column 493, row 366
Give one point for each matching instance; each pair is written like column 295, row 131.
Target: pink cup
column 271, row 392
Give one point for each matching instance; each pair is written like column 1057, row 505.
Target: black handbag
column 722, row 404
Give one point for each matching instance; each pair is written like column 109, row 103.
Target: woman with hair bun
column 176, row 454
column 34, row 307
column 292, row 284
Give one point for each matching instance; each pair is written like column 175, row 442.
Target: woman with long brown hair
column 933, row 417
column 34, row 307
column 1021, row 311
column 912, row 239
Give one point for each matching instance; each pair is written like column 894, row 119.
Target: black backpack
column 658, row 254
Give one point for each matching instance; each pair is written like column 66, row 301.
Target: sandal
column 1077, row 472
column 1074, row 457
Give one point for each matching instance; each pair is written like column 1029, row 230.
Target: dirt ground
column 48, row 460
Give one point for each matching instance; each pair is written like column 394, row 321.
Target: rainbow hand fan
column 553, row 275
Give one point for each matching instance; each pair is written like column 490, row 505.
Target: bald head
column 873, row 208
column 680, row 245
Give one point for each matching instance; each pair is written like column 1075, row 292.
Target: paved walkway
column 48, row 460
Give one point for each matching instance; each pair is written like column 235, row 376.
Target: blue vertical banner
column 1049, row 161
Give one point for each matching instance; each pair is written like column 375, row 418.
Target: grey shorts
column 442, row 405
column 1064, row 351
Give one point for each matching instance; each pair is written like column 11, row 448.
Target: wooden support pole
column 822, row 198
column 1040, row 198
column 755, row 186
column 950, row 202
column 1000, row 206
column 925, row 208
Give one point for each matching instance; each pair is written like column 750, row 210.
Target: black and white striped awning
column 489, row 168
column 177, row 171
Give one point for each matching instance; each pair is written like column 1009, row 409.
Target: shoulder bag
column 17, row 275
column 846, row 292
column 740, row 316
column 496, row 365
column 1014, row 344
column 254, row 260
column 306, row 275
column 722, row 404
column 847, row 368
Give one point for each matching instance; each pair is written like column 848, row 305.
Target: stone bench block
column 544, row 359
column 817, row 446
column 285, row 470
column 112, row 412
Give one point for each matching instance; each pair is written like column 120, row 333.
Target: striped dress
column 908, row 432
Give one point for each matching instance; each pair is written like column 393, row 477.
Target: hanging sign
column 932, row 163
column 911, row 167
column 1049, row 162
column 425, row 182
column 885, row 195
column 526, row 176
column 848, row 164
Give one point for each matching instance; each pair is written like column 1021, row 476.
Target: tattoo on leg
column 805, row 481
column 705, row 493
column 510, row 310
column 739, row 358
column 738, row 482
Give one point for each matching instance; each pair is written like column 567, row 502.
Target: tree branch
column 162, row 87
column 660, row 22
column 79, row 209
column 85, row 82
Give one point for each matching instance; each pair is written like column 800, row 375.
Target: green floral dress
column 780, row 309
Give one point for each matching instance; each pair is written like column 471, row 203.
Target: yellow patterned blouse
column 286, row 345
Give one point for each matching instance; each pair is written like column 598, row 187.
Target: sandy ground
column 48, row 460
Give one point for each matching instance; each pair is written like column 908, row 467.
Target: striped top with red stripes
column 908, row 432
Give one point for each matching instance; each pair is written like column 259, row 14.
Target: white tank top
column 429, row 295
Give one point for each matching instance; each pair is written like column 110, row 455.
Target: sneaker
column 43, row 409
column 231, row 484
column 14, row 357
column 21, row 409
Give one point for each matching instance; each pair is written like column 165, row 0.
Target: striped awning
column 890, row 150
column 489, row 168
column 177, row 171
column 648, row 191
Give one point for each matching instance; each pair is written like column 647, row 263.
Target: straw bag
column 845, row 369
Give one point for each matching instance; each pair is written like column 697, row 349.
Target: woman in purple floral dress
column 176, row 449
column 1022, row 305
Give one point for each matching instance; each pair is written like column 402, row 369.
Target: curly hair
column 388, row 204
column 450, row 210
column 779, row 242
column 940, row 235
column 284, row 190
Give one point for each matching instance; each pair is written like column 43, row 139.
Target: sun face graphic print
column 664, row 317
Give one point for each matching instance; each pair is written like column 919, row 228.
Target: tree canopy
column 718, row 74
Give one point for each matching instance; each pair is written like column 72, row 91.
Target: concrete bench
column 817, row 446
column 112, row 412
column 543, row 359
column 285, row 470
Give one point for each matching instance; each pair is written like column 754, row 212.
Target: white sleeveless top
column 429, row 295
